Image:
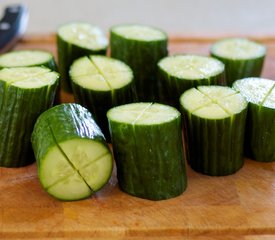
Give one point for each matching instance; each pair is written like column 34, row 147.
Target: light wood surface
column 240, row 206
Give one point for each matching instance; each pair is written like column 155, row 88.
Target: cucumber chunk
column 181, row 72
column 260, row 130
column 26, row 92
column 242, row 57
column 141, row 47
column 214, row 125
column 100, row 83
column 73, row 158
column 148, row 150
column 75, row 40
column 27, row 58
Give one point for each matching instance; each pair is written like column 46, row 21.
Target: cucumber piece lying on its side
column 242, row 57
column 214, row 126
column 147, row 145
column 260, row 129
column 181, row 72
column 141, row 47
column 72, row 156
column 100, row 83
column 25, row 92
column 75, row 40
column 28, row 58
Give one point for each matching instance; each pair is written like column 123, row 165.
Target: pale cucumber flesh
column 24, row 58
column 75, row 168
column 143, row 113
column 191, row 66
column 213, row 102
column 83, row 35
column 238, row 48
column 100, row 73
column 139, row 32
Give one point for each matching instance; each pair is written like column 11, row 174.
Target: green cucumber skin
column 99, row 102
column 214, row 147
column 238, row 69
column 155, row 156
column 142, row 57
column 260, row 133
column 67, row 53
column 19, row 110
column 61, row 123
column 172, row 87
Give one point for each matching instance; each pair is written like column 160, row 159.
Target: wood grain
column 240, row 206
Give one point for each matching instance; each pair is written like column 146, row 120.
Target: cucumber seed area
column 191, row 67
column 100, row 73
column 213, row 102
column 28, row 77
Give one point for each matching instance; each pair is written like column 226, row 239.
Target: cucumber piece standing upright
column 181, row 72
column 73, row 159
column 141, row 47
column 100, row 83
column 147, row 145
column 27, row 58
column 75, row 40
column 260, row 129
column 214, row 127
column 242, row 57
column 25, row 92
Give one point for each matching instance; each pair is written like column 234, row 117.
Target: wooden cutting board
column 240, row 206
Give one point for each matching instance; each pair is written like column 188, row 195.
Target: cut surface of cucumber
column 191, row 67
column 181, row 72
column 150, row 162
column 214, row 125
column 238, row 48
column 260, row 129
column 139, row 32
column 25, row 93
column 242, row 58
column 100, row 73
column 84, row 35
column 100, row 83
column 24, row 58
column 74, row 160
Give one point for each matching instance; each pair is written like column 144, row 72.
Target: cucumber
column 25, row 92
column 242, row 57
column 181, row 72
column 147, row 146
column 141, row 47
column 100, row 83
column 72, row 156
column 214, row 125
column 75, row 40
column 27, row 58
column 260, row 130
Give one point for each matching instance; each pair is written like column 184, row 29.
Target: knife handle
column 12, row 26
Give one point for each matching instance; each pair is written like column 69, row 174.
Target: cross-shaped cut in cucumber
column 73, row 158
column 25, row 93
column 147, row 146
column 214, row 125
